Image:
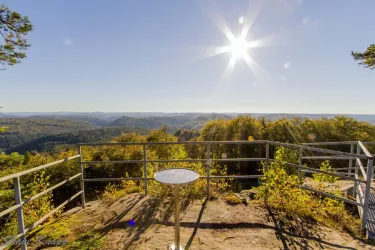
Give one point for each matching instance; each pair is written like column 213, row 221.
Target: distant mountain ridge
column 172, row 122
column 38, row 130
column 108, row 117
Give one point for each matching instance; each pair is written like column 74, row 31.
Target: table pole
column 177, row 216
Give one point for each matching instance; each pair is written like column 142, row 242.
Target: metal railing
column 361, row 196
column 360, row 173
column 22, row 231
column 208, row 160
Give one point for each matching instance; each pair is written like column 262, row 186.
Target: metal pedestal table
column 176, row 177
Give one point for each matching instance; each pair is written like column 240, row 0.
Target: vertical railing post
column 145, row 168
column 177, row 217
column 351, row 160
column 355, row 191
column 267, row 155
column 299, row 163
column 367, row 193
column 21, row 223
column 208, row 164
column 82, row 182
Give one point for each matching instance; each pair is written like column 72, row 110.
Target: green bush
column 232, row 199
column 321, row 177
column 33, row 210
column 281, row 191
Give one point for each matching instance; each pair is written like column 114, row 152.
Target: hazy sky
column 150, row 56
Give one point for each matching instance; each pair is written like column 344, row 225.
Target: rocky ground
column 138, row 222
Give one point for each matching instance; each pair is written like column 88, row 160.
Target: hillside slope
column 172, row 122
column 23, row 130
column 52, row 142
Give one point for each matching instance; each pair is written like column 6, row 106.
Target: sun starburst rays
column 239, row 47
column 251, row 16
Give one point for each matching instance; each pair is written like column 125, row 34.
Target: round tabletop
column 173, row 176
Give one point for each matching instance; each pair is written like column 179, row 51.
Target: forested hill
column 23, row 130
column 46, row 132
column 172, row 122
column 47, row 125
column 50, row 143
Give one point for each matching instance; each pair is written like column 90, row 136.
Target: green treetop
column 367, row 58
column 13, row 29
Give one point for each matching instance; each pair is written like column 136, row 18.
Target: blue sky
column 149, row 56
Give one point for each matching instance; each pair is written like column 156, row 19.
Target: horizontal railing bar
column 328, row 151
column 11, row 241
column 235, row 177
column 50, row 189
column 328, row 170
column 171, row 143
column 341, row 174
column 330, row 143
column 204, row 160
column 177, row 160
column 8, row 177
column 332, row 196
column 118, row 179
column 364, row 149
column 38, row 222
column 7, row 211
column 150, row 178
column 328, row 158
column 324, row 172
column 363, row 171
column 239, row 159
column 336, row 143
column 334, row 169
column 347, row 173
column 174, row 160
column 111, row 162
column 32, row 226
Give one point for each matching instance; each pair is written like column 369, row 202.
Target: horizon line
column 187, row 112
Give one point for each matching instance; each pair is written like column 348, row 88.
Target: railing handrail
column 328, row 151
column 364, row 149
column 228, row 142
column 337, row 143
column 172, row 143
column 31, row 170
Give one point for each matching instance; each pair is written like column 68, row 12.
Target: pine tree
column 14, row 29
column 367, row 58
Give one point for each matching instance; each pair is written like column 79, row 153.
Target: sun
column 239, row 48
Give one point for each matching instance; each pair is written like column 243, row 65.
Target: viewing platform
column 359, row 172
